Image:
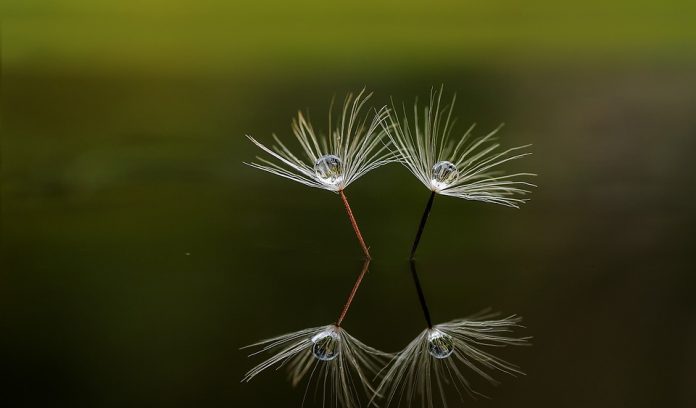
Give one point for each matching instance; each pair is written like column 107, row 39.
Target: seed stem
column 421, row 226
column 356, row 285
column 421, row 295
column 354, row 224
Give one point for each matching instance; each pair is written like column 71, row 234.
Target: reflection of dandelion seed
column 465, row 169
column 342, row 365
column 337, row 359
column 332, row 163
column 440, row 353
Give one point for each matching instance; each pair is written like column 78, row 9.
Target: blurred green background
column 139, row 253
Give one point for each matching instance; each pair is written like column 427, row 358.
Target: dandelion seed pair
column 466, row 169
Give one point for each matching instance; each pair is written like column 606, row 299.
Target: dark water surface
column 139, row 253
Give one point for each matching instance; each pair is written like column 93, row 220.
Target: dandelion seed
column 332, row 163
column 442, row 353
column 341, row 366
column 467, row 168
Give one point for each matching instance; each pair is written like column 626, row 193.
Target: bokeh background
column 139, row 253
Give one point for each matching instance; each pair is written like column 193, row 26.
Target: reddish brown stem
column 354, row 224
column 353, row 292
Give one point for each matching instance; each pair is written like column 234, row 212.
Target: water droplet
column 444, row 173
column 325, row 346
column 329, row 169
column 440, row 345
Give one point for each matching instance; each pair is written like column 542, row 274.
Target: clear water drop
column 444, row 173
column 325, row 346
column 440, row 345
column 329, row 169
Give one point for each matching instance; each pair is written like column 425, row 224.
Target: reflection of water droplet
column 329, row 169
column 325, row 346
column 440, row 345
column 444, row 173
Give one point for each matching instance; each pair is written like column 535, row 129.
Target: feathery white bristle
column 340, row 380
column 426, row 140
column 359, row 147
column 415, row 375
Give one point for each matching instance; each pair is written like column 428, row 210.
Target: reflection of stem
column 354, row 224
column 352, row 292
column 421, row 226
column 421, row 295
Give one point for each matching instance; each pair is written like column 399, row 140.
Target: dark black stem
column 421, row 227
column 421, row 295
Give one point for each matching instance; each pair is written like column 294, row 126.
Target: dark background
column 139, row 253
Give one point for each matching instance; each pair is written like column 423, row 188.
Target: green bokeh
column 139, row 253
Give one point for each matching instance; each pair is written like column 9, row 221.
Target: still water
column 140, row 254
